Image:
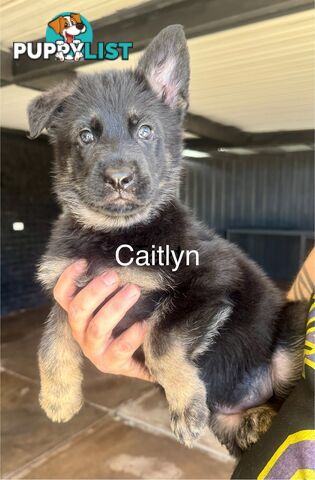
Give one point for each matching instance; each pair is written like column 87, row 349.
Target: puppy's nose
column 80, row 26
column 119, row 179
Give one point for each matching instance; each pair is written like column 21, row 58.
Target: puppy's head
column 118, row 135
column 68, row 25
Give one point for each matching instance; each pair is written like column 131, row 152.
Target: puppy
column 68, row 26
column 222, row 340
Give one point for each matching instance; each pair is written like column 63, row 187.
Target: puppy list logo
column 69, row 37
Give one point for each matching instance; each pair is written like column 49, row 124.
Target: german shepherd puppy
column 222, row 340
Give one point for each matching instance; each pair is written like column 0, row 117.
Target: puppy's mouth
column 69, row 38
column 120, row 204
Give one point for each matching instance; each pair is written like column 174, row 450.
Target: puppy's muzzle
column 119, row 179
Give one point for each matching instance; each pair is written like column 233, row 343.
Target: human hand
column 94, row 332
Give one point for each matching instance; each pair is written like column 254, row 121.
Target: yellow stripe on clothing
column 311, row 320
column 290, row 440
column 310, row 363
column 310, row 347
column 304, row 474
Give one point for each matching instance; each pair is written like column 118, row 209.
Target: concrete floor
column 122, row 431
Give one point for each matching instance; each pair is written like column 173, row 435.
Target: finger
column 65, row 287
column 100, row 327
column 84, row 304
column 124, row 346
column 121, row 349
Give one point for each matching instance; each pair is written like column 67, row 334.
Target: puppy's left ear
column 165, row 64
column 44, row 109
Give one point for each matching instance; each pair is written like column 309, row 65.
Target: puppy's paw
column 188, row 424
column 255, row 422
column 60, row 409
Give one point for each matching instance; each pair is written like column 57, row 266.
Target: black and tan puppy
column 222, row 341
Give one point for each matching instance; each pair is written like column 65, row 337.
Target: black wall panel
column 26, row 197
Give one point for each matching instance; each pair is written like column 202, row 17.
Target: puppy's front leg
column 60, row 369
column 185, row 391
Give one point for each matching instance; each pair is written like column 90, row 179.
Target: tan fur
column 228, row 422
column 240, row 431
column 286, row 369
column 213, row 330
column 254, row 423
column 147, row 280
column 90, row 219
column 144, row 279
column 50, row 270
column 185, row 392
column 60, row 370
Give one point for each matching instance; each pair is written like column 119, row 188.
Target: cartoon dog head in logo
column 68, row 26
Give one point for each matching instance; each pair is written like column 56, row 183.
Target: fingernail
column 80, row 265
column 109, row 278
column 131, row 291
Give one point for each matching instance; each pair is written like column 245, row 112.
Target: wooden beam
column 224, row 134
column 286, row 137
column 140, row 24
column 6, row 68
column 253, row 140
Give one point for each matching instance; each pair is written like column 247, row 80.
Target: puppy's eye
column 86, row 136
column 145, row 132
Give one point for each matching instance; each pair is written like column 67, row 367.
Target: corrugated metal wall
column 261, row 191
column 26, row 197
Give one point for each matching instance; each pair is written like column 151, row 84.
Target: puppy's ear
column 165, row 64
column 41, row 111
column 56, row 25
column 76, row 17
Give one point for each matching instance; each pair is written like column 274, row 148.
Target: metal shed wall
column 269, row 192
